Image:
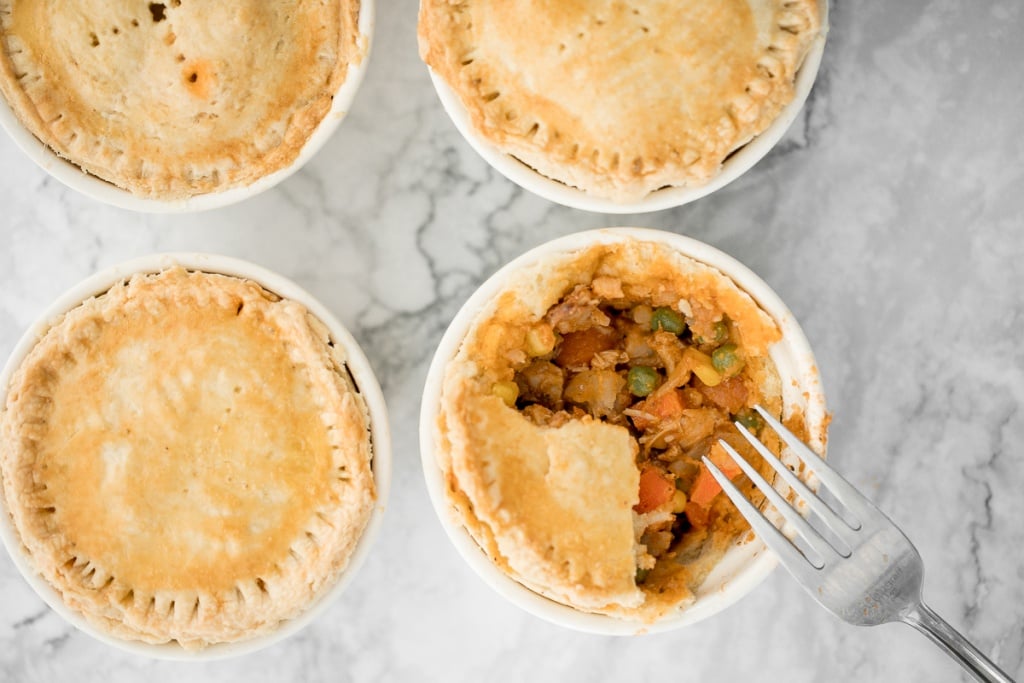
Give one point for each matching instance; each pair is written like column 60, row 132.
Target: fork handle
column 956, row 646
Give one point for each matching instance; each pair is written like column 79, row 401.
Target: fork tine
column 792, row 557
column 845, row 493
column 810, row 534
column 834, row 522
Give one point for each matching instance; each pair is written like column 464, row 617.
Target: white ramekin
column 733, row 167
column 745, row 565
column 74, row 177
column 358, row 366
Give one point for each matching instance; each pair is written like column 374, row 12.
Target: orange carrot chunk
column 579, row 348
column 731, row 394
column 656, row 489
column 696, row 515
column 665, row 406
column 706, row 487
column 724, row 461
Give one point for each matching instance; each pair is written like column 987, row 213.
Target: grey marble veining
column 889, row 219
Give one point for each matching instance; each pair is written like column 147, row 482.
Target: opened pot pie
column 186, row 458
column 619, row 98
column 176, row 98
column 574, row 415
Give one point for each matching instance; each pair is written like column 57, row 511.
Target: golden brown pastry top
column 619, row 99
column 186, row 459
column 174, row 99
column 553, row 506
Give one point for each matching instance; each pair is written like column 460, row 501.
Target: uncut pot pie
column 575, row 413
column 176, row 98
column 186, row 458
column 619, row 99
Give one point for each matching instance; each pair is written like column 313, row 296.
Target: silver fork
column 868, row 572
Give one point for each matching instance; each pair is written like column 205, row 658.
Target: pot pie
column 619, row 99
column 186, row 458
column 176, row 98
column 574, row 416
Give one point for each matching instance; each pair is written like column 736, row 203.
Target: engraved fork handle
column 956, row 646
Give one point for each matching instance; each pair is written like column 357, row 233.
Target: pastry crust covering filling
column 575, row 414
column 617, row 98
column 186, row 458
column 176, row 98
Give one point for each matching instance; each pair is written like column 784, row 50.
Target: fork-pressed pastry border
column 668, row 119
column 180, row 101
column 140, row 592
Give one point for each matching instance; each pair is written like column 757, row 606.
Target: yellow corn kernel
column 540, row 340
column 702, row 366
column 679, row 501
column 507, row 391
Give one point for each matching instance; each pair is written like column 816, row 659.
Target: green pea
column 642, row 380
column 720, row 332
column 727, row 360
column 641, row 575
column 665, row 318
column 750, row 419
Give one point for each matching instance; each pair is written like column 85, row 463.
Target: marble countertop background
column 890, row 220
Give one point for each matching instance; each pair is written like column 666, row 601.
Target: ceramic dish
column 363, row 380
column 75, row 178
column 735, row 165
column 746, row 563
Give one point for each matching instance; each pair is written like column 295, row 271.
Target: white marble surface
column 889, row 219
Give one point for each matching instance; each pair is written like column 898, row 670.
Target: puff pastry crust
column 619, row 98
column 176, row 98
column 186, row 458
column 553, row 506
